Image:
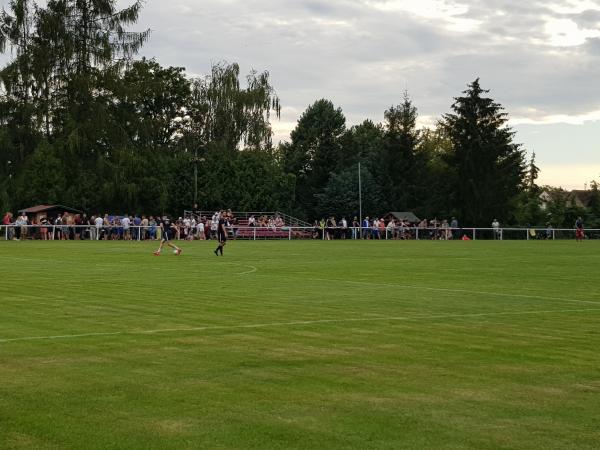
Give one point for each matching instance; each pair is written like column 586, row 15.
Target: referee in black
column 221, row 233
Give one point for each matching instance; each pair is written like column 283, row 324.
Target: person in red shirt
column 579, row 230
column 7, row 220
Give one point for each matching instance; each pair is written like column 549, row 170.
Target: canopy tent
column 405, row 216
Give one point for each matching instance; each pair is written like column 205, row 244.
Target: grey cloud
column 588, row 19
column 363, row 58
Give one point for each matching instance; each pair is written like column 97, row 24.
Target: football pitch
column 300, row 345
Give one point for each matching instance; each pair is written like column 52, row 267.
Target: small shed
column 405, row 216
column 36, row 213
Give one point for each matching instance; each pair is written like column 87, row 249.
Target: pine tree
column 403, row 164
column 489, row 166
column 533, row 172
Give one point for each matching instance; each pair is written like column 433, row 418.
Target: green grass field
column 320, row 345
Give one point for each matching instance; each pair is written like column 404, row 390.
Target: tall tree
column 314, row 151
column 489, row 165
column 530, row 206
column 439, row 197
column 404, row 164
column 340, row 196
column 17, row 111
column 233, row 117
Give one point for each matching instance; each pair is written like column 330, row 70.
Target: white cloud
column 573, row 119
column 573, row 6
column 430, row 9
column 566, row 33
column 448, row 12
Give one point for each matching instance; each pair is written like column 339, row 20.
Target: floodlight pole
column 196, row 160
column 359, row 203
column 195, row 176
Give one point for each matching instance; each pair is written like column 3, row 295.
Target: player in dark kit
column 221, row 233
column 168, row 231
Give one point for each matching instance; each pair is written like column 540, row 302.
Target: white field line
column 457, row 291
column 252, row 270
column 247, row 266
column 296, row 323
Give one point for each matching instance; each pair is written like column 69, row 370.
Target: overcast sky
column 540, row 59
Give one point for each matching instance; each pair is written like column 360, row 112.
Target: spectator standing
column 57, row 234
column 355, row 228
column 126, row 224
column 445, row 235
column 98, row 223
column 44, row 228
column 454, row 226
column 87, row 222
column 7, row 221
column 496, row 229
column 201, row 233
column 214, row 224
column 390, row 230
column 382, row 229
column 579, row 230
column 366, row 228
column 24, row 226
column 375, row 228
column 422, row 228
column 186, row 224
column 67, row 229
column 137, row 231
column 315, row 230
column 77, row 222
column 21, row 227
column 151, row 228
column 144, row 228
column 329, row 227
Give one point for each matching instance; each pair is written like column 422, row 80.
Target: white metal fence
column 138, row 233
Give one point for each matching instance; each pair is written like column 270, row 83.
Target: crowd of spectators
column 125, row 227
column 382, row 228
column 67, row 226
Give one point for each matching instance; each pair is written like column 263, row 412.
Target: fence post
column 254, row 232
column 416, row 234
column 474, row 234
column 290, row 234
column 553, row 235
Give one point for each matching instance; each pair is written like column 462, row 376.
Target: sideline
column 296, row 323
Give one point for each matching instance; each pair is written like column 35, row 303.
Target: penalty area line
column 296, row 323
